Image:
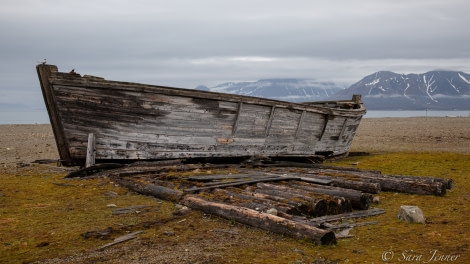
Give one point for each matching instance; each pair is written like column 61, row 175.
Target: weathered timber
column 128, row 210
column 397, row 183
column 316, row 206
column 240, row 180
column 238, row 183
column 218, row 177
column 264, row 203
column 338, row 205
column 134, row 121
column 359, row 185
column 150, row 189
column 318, row 221
column 448, row 183
column 262, row 220
column 121, row 239
column 358, row 199
column 94, row 170
column 412, row 185
column 90, row 151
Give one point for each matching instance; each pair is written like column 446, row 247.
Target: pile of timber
column 301, row 200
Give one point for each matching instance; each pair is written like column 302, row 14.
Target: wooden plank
column 299, row 125
column 270, row 121
column 238, row 183
column 44, row 72
column 90, row 153
column 317, row 221
column 325, row 124
column 237, row 118
column 121, row 239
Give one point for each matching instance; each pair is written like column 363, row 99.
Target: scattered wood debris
column 298, row 199
column 121, row 239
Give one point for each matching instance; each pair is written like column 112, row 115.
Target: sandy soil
column 418, row 134
column 26, row 143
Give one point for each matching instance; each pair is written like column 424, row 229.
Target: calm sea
column 41, row 117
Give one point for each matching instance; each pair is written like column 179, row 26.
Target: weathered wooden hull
column 145, row 122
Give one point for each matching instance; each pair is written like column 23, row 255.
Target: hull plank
column 133, row 121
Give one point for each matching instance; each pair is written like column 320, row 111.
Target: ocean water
column 24, row 117
column 41, row 117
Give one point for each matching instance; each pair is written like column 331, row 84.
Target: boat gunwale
column 97, row 83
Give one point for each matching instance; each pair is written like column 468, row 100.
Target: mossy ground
column 42, row 216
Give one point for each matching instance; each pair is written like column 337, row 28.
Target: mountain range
column 383, row 90
column 292, row 90
column 438, row 90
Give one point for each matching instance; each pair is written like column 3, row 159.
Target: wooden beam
column 90, row 151
column 325, row 124
column 270, row 121
column 299, row 126
column 44, row 72
column 235, row 125
column 343, row 129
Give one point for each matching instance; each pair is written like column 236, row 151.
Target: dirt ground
column 417, row 134
column 26, row 143
column 22, row 144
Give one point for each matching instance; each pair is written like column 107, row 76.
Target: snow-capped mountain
column 431, row 90
column 293, row 90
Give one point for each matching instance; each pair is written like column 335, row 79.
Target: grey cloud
column 186, row 43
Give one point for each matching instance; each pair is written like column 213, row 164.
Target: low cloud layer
column 188, row 43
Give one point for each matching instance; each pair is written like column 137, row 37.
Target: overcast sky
column 186, row 43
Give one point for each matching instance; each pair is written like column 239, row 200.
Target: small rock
column 272, row 211
column 168, row 233
column 376, row 199
column 183, row 210
column 111, row 205
column 111, row 194
column 299, row 251
column 411, row 214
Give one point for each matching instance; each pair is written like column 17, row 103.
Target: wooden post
column 90, row 151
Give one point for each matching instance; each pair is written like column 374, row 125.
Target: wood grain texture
column 138, row 121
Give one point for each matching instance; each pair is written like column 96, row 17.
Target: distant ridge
column 293, row 90
column 438, row 90
column 382, row 90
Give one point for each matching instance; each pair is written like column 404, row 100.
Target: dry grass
column 43, row 215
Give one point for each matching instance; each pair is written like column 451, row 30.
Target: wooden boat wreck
column 132, row 121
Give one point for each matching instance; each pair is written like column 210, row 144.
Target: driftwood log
column 262, row 220
column 358, row 199
column 301, row 205
column 394, row 183
column 334, row 205
column 157, row 191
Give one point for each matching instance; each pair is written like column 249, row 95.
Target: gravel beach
column 26, row 143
